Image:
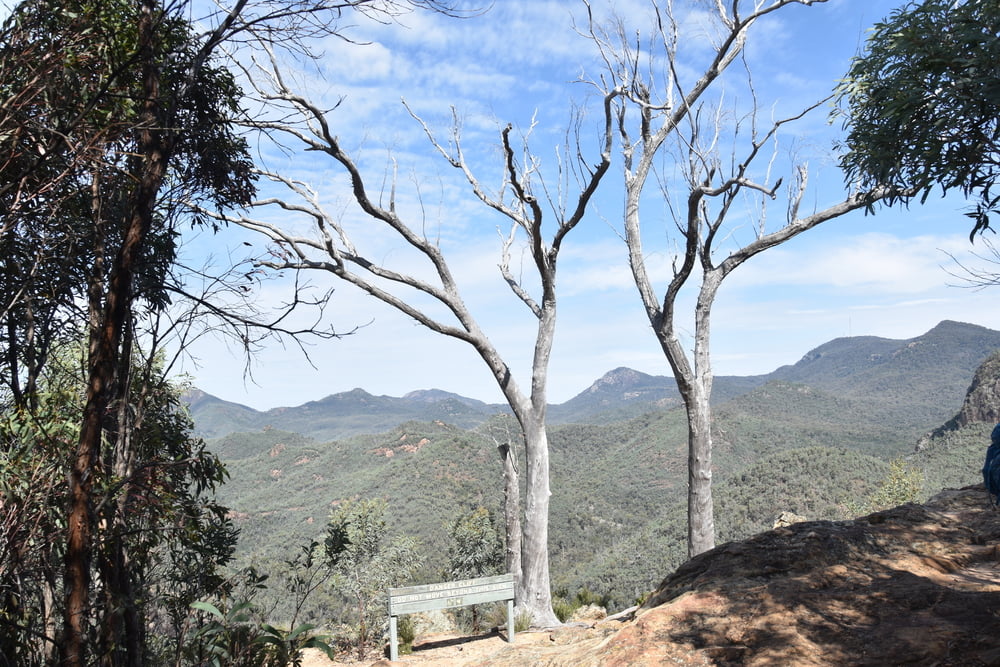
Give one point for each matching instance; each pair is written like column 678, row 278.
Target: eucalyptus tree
column 432, row 295
column 476, row 549
column 128, row 100
column 112, row 113
column 921, row 105
column 671, row 128
column 163, row 537
column 365, row 563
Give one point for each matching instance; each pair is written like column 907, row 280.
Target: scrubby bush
column 365, row 563
column 902, row 485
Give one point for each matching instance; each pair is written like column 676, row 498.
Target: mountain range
column 814, row 438
column 937, row 367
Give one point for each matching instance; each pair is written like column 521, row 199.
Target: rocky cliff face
column 982, row 403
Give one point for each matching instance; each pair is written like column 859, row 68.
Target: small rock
column 588, row 612
column 787, row 519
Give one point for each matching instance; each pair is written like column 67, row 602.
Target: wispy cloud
column 879, row 275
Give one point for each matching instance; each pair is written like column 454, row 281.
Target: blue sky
column 883, row 275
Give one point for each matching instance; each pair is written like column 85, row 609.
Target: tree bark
column 701, row 517
column 511, row 509
column 535, row 591
column 151, row 160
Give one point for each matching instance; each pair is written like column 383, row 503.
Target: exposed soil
column 915, row 585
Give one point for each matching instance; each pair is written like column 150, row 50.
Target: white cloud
column 866, row 262
column 361, row 63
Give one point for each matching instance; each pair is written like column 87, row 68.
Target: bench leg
column 510, row 621
column 393, row 647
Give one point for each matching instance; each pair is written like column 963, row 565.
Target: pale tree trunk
column 701, row 518
column 533, row 589
column 701, row 512
column 695, row 386
column 535, row 592
column 534, row 585
column 665, row 122
column 511, row 509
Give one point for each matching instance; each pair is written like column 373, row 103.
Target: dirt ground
column 448, row 650
column 915, row 585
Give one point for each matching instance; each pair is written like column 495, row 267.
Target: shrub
column 365, row 563
column 902, row 485
column 405, row 633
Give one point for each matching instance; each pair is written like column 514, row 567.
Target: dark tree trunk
column 153, row 151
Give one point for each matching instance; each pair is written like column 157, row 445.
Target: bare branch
column 978, row 277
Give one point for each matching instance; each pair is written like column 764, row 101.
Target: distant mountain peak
column 619, row 378
column 354, row 394
column 857, row 366
column 439, row 396
column 429, row 395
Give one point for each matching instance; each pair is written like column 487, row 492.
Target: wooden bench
column 415, row 599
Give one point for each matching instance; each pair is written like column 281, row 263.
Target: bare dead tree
column 668, row 127
column 330, row 248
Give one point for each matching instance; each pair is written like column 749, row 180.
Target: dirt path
column 448, row 650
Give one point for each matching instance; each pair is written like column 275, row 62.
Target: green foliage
column 406, row 632
column 285, row 647
column 952, row 459
column 225, row 637
column 564, row 606
column 365, row 563
column 586, row 597
column 232, row 630
column 155, row 509
column 234, row 637
column 72, row 88
column 283, row 493
column 807, row 444
column 100, row 117
column 902, row 485
column 477, row 548
column 33, row 448
column 814, row 482
column 923, row 103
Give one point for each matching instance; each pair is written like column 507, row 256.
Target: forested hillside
column 813, row 444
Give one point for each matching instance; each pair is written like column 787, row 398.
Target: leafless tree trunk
column 331, row 249
column 511, row 509
column 499, row 429
column 666, row 119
